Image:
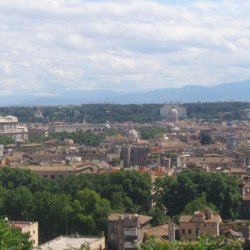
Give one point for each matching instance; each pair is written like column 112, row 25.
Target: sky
column 49, row 46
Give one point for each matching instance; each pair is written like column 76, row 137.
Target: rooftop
column 63, row 242
column 142, row 218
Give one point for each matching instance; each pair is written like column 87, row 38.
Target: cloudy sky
column 52, row 45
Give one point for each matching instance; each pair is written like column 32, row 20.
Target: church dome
column 174, row 113
column 133, row 134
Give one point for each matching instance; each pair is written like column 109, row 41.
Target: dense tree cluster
column 203, row 243
column 93, row 113
column 205, row 139
column 198, row 189
column 6, row 140
column 82, row 203
column 151, row 133
column 87, row 138
column 74, row 203
column 100, row 113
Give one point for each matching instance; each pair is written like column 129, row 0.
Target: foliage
column 158, row 217
column 4, row 140
column 151, row 133
column 87, row 138
column 203, row 243
column 173, row 194
column 94, row 113
column 198, row 203
column 100, row 113
column 11, row 238
column 71, row 204
column 90, row 212
column 205, row 139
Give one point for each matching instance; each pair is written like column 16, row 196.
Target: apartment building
column 126, row 231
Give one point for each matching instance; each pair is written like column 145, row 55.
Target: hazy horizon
column 135, row 45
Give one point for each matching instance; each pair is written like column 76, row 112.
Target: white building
column 9, row 126
column 74, row 241
column 1, row 151
column 173, row 112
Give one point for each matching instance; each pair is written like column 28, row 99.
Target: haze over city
column 50, row 46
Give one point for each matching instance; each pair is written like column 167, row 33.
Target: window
column 183, row 231
column 189, row 231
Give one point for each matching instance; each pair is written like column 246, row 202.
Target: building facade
column 126, row 231
column 9, row 126
column 134, row 155
column 27, row 227
column 173, row 112
column 201, row 222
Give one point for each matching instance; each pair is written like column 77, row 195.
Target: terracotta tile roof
column 200, row 216
column 160, row 231
column 186, row 218
column 142, row 218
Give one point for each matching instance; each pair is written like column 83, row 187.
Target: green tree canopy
column 173, row 194
column 203, row 243
column 11, row 238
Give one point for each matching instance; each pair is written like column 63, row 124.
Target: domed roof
column 165, row 138
column 174, row 112
column 133, row 134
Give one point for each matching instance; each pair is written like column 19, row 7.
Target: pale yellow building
column 27, row 227
column 201, row 222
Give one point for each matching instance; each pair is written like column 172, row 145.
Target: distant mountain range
column 236, row 91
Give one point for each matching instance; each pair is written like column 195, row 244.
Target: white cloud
column 49, row 45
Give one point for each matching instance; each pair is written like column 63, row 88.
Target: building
column 1, row 151
column 134, row 155
column 38, row 132
column 201, row 222
column 74, row 242
column 27, row 227
column 9, row 126
column 245, row 114
column 58, row 127
column 212, row 163
column 173, row 112
column 125, row 231
column 163, row 232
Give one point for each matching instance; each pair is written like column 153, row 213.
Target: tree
column 11, row 238
column 51, row 211
column 173, row 194
column 90, row 212
column 198, row 203
column 203, row 243
column 6, row 140
column 205, row 139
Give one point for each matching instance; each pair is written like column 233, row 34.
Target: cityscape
column 112, row 185
column 124, row 125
